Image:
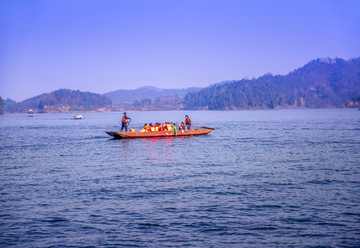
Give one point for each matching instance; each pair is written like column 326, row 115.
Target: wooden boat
column 141, row 135
column 78, row 117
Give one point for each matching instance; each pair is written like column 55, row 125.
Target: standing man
column 124, row 122
column 188, row 122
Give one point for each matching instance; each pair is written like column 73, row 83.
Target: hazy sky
column 105, row 45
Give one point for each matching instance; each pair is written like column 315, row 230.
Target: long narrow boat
column 140, row 135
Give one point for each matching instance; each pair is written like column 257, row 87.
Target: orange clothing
column 125, row 119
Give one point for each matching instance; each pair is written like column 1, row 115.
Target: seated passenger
column 152, row 128
column 182, row 126
column 145, row 128
column 165, row 126
column 161, row 128
column 156, row 127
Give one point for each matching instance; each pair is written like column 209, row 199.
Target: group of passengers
column 166, row 126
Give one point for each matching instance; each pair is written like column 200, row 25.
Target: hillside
column 63, row 101
column 321, row 83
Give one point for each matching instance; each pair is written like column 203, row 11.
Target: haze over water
column 275, row 178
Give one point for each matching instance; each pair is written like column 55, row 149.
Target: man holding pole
column 124, row 122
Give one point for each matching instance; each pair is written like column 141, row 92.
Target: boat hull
column 142, row 135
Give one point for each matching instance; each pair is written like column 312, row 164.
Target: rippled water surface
column 281, row 178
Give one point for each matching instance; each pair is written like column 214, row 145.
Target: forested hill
column 320, row 83
column 63, row 100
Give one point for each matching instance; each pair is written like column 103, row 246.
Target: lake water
column 276, row 178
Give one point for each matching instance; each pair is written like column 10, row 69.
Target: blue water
column 279, row 178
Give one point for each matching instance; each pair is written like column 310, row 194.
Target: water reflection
column 153, row 150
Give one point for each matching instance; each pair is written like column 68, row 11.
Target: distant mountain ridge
column 147, row 92
column 321, row 83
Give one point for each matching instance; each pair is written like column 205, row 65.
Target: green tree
column 1, row 106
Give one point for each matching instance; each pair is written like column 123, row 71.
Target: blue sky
column 105, row 45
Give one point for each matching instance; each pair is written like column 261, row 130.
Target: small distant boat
column 30, row 113
column 141, row 135
column 78, row 117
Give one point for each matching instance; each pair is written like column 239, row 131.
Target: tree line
column 320, row 83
